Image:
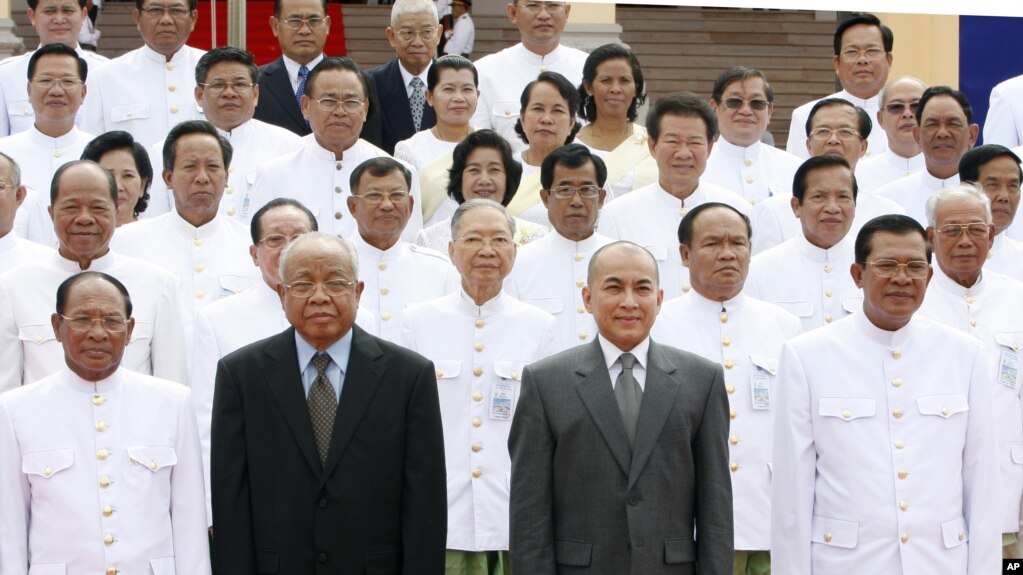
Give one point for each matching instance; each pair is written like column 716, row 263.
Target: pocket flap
column 23, row 109
column 679, row 551
column 447, row 369
column 509, row 369
column 944, row 405
column 236, row 284
column 37, row 334
column 660, row 253
column 1016, row 452
column 852, row 304
column 954, row 533
column 847, row 408
column 834, row 532
column 765, row 362
column 796, row 308
column 548, row 304
column 47, row 463
column 1010, row 339
column 153, row 457
column 506, row 109
column 162, row 566
column 129, row 112
column 572, row 553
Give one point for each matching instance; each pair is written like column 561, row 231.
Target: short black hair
column 342, row 63
column 225, row 54
column 975, row 159
column 685, row 227
column 897, row 224
column 121, row 140
column 378, row 168
column 58, row 49
column 484, row 139
column 569, row 92
column 256, row 225
column 813, row 164
column 57, row 175
column 450, row 62
column 935, row 91
column 863, row 121
column 64, row 289
column 685, row 104
column 739, row 74
column 192, row 5
column 587, row 107
column 571, row 156
column 187, row 128
column 864, row 19
column 33, row 4
column 277, row 7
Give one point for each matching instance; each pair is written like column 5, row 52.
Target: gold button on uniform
column 338, row 215
column 199, row 294
column 439, row 373
column 107, row 511
column 173, row 109
column 337, row 189
column 476, row 447
column 198, row 268
column 152, row 465
column 686, row 287
column 846, row 414
column 108, row 539
column 97, row 400
column 480, row 323
column 101, row 425
column 897, row 353
column 904, row 538
column 828, row 318
column 579, row 283
column 382, row 266
column 729, row 364
column 385, row 315
column 961, row 536
column 903, row 474
column 57, row 154
column 170, row 65
column 724, row 318
column 899, row 444
column 903, row 505
column 337, row 166
column 827, row 538
column 897, row 382
column 580, row 309
column 477, row 371
column 478, row 346
column 969, row 299
column 172, row 88
column 228, row 190
column 973, row 323
column 111, row 571
column 733, row 440
column 734, row 467
column 827, row 268
column 47, row 472
column 726, row 342
column 732, row 414
column 578, row 257
column 102, row 454
column 583, row 335
column 384, row 291
column 730, row 388
column 477, row 396
column 476, row 474
column 897, row 413
column 230, row 211
column 748, row 162
column 827, row 293
column 104, row 482
column 197, row 241
column 749, row 179
column 476, row 422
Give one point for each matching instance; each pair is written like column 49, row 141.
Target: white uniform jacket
column 877, row 171
column 884, row 453
column 1006, row 257
column 101, row 477
column 650, row 217
column 877, row 142
column 744, row 335
column 1004, row 123
column 812, row 283
column 28, row 349
column 912, row 192
column 15, row 251
column 479, row 353
column 756, row 172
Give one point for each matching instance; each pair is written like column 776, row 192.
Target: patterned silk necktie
column 303, row 73
column 629, row 396
column 417, row 101
column 322, row 405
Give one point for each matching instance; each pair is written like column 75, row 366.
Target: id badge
column 1008, row 368
column 760, row 387
column 501, row 396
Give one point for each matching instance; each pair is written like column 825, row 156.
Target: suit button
column 579, row 283
column 962, row 536
column 322, row 504
column 104, row 482
column 578, row 257
column 480, row 323
column 111, row 571
column 102, row 454
column 730, row 388
column 477, row 397
column 382, row 266
column 904, row 538
column 732, row 414
column 725, row 341
column 476, row 447
column 828, row 318
column 734, row 440
column 47, row 472
column 729, row 364
column 897, row 382
column 107, row 511
column 633, row 500
column 897, row 413
column 478, row 346
column 385, row 315
column 899, row 444
column 903, row 505
column 724, row 318
column 101, row 425
column 108, row 540
column 477, row 371
column 827, row 538
column 827, row 268
column 903, row 474
column 97, row 400
column 476, row 422
column 476, row 473
column 197, row 241
column 338, row 215
column 897, row 353
column 322, row 557
column 734, row 467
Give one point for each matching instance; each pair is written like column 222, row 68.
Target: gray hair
column 882, row 96
column 15, row 170
column 965, row 190
column 347, row 246
column 475, row 204
column 405, row 7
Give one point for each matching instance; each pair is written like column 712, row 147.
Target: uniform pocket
column 128, row 112
column 846, row 408
column 834, row 532
column 48, row 463
column 942, row 405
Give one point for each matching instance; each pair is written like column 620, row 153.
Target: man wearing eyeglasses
column 101, row 467
column 301, row 28
column 148, row 90
column 884, row 440
column 896, row 118
column 227, row 90
column 744, row 101
column 400, row 85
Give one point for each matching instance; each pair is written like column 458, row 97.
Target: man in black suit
column 613, row 478
column 400, row 85
column 328, row 450
column 301, row 28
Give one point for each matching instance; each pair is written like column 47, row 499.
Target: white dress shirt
column 877, row 142
column 744, row 335
column 144, row 94
column 101, row 477
column 478, row 353
column 912, row 192
column 293, row 67
column 550, row 273
column 463, row 37
column 29, row 351
column 756, row 172
column 1004, row 123
column 1006, row 257
column 650, row 217
column 884, row 453
column 812, row 283
column 15, row 251
column 876, row 171
column 613, row 360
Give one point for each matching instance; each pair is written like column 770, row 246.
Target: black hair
column 225, row 54
column 567, row 91
column 121, row 140
column 342, row 63
column 170, row 145
column 863, row 121
column 378, row 168
column 64, row 289
column 277, row 7
column 450, row 62
column 739, row 74
column 55, row 182
column 256, row 225
column 897, row 224
column 192, row 5
column 587, row 107
column 685, row 104
column 33, row 4
column 58, row 49
column 483, row 139
column 935, row 91
column 813, row 164
column 973, row 160
column 685, row 227
column 571, row 156
column 864, row 19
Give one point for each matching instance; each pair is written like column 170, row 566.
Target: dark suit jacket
column 392, row 120
column 379, row 505
column 583, row 502
column 277, row 104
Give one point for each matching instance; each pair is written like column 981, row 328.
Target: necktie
column 303, row 73
column 629, row 396
column 322, row 405
column 417, row 101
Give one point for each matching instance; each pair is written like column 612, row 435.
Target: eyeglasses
column 377, row 198
column 408, row 34
column 314, row 22
column 476, row 243
column 842, row 133
column 897, row 108
column 332, row 288
column 915, row 269
column 277, row 240
column 756, row 105
column 218, row 87
column 330, row 104
column 66, row 82
column 569, row 192
column 176, row 12
column 551, row 7
column 83, row 323
column 975, row 230
column 854, row 55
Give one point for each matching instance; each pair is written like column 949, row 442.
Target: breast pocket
column 149, row 473
column 944, row 406
column 797, row 308
column 129, row 112
column 506, row 110
column 36, row 334
column 45, row 467
column 551, row 305
column 846, row 408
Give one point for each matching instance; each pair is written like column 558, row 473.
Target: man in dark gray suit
column 605, row 477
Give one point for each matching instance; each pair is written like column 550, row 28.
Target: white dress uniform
column 877, row 142
column 101, row 477
column 463, row 36
column 990, row 311
column 912, row 192
column 744, row 335
column 15, row 251
column 755, row 173
column 812, row 283
column 650, row 217
column 550, row 273
column 39, row 156
column 314, row 177
column 402, row 275
column 774, row 222
column 1004, row 123
column 1006, row 257
column 479, row 353
column 253, row 142
column 29, row 351
column 144, row 94
column 208, row 262
column 884, row 453
column 876, row 171
column 505, row 74
column 16, row 113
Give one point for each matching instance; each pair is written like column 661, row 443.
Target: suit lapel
column 279, row 86
column 659, row 395
column 394, row 99
column 597, row 394
column 283, row 376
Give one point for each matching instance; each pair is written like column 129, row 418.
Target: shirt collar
column 821, row 255
column 696, row 198
column 8, row 242
column 522, row 55
column 707, row 305
column 612, row 353
column 733, row 151
column 243, row 130
column 376, row 254
column 586, row 246
column 910, row 164
column 890, row 339
column 154, row 56
column 870, row 104
column 43, row 141
column 320, row 153
column 205, row 231
column 406, row 76
column 951, row 286
column 99, row 264
column 933, row 183
column 465, row 305
column 111, row 382
column 292, row 66
column 339, row 351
